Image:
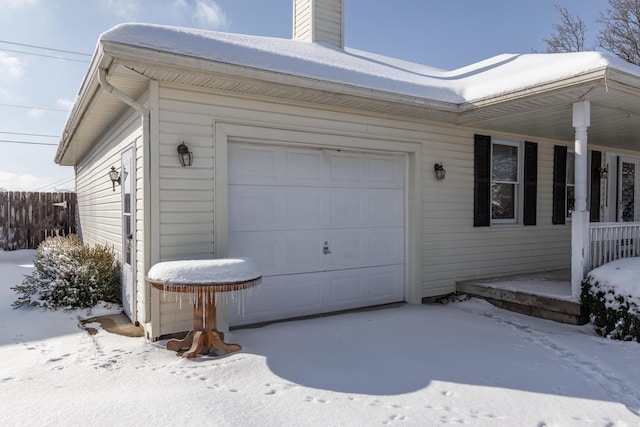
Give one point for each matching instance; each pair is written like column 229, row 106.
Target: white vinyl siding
column 451, row 248
column 302, row 20
column 319, row 21
column 99, row 207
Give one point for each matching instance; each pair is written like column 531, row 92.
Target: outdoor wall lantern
column 184, row 155
column 114, row 176
column 440, row 171
column 604, row 173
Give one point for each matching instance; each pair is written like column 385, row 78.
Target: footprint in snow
column 312, row 399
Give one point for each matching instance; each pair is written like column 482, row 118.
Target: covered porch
column 550, row 294
column 598, row 116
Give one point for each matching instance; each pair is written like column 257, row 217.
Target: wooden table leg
column 199, row 345
column 176, row 344
column 204, row 335
column 215, row 339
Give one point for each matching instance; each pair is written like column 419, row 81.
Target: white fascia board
column 141, row 57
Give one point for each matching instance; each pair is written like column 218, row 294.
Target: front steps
column 560, row 310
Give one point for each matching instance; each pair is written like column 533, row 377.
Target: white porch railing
column 613, row 240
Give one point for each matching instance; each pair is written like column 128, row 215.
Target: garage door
column 326, row 228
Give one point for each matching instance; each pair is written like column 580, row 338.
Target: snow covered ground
column 461, row 363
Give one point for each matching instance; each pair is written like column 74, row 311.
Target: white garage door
column 326, row 228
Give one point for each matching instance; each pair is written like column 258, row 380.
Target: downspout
column 145, row 116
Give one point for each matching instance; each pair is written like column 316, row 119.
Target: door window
column 127, row 218
column 627, row 190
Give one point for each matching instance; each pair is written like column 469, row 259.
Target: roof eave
column 87, row 92
column 141, row 56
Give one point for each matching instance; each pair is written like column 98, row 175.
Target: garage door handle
column 325, row 248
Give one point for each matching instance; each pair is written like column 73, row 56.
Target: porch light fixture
column 184, row 155
column 114, row 176
column 440, row 171
column 604, row 173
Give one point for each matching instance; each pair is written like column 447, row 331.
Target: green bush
column 614, row 315
column 70, row 275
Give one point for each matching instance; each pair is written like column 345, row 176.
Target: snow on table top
column 207, row 271
column 491, row 77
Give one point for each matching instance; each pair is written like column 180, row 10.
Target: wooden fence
column 26, row 218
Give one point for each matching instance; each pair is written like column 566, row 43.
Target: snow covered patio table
column 202, row 279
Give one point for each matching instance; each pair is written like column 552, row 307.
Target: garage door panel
column 264, row 248
column 385, row 284
column 304, row 166
column 386, row 208
column 386, row 246
column 251, row 208
column 346, row 290
column 386, row 171
column 345, row 169
column 254, row 208
column 248, row 163
column 278, row 165
column 278, row 208
column 296, row 295
column 346, row 208
column 280, row 252
column 365, row 208
column 287, row 252
column 366, row 247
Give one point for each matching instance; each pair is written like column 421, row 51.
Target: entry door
column 627, row 170
column 326, row 228
column 620, row 188
column 127, row 180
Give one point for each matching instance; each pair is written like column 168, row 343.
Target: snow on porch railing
column 613, row 240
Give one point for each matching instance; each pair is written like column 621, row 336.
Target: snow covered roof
column 492, row 77
column 528, row 94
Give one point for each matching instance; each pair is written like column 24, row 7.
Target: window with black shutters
column 505, row 181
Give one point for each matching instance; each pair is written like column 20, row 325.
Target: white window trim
column 566, row 184
column 519, row 193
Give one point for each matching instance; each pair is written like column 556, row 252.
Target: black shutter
column 594, row 200
column 530, row 183
column 482, row 181
column 559, row 184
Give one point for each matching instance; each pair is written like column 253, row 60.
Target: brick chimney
column 319, row 21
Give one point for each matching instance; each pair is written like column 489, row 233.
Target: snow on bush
column 611, row 293
column 69, row 275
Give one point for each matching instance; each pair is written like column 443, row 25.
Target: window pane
column 571, row 168
column 503, row 201
column 504, row 163
column 571, row 200
column 628, row 191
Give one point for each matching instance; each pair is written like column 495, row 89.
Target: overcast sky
column 37, row 85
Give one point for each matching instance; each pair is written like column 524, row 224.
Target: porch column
column 580, row 216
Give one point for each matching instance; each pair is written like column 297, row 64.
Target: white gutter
column 102, row 78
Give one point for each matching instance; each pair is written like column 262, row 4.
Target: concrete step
column 543, row 307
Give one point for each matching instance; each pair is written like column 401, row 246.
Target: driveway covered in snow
column 465, row 362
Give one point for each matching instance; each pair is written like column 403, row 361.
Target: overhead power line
column 8, row 141
column 46, row 48
column 44, row 56
column 55, row 184
column 30, row 134
column 34, row 108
